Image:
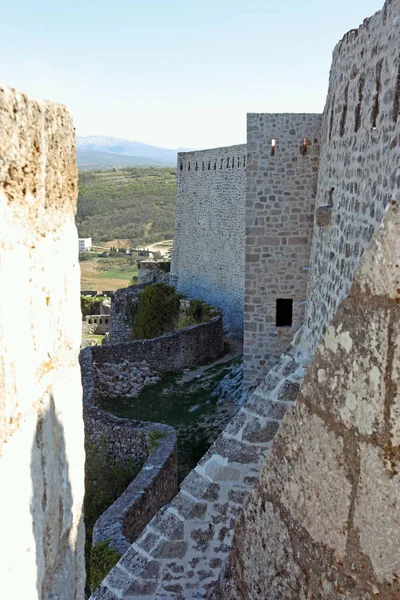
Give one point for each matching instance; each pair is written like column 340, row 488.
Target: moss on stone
column 103, row 558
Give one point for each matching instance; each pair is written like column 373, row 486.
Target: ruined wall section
column 208, row 251
column 323, row 521
column 41, row 428
column 282, row 172
column 360, row 161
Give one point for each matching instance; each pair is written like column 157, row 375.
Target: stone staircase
column 183, row 550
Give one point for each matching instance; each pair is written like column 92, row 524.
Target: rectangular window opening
column 273, row 146
column 284, row 312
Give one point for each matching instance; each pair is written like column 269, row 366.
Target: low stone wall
column 183, row 550
column 96, row 324
column 156, row 483
column 171, row 352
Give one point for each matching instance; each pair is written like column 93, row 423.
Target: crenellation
column 208, row 252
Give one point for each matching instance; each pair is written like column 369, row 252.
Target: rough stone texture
column 41, row 428
column 208, row 251
column 96, row 324
column 122, row 311
column 281, row 185
column 157, row 482
column 182, row 551
column 171, row 352
column 122, row 379
column 330, row 487
column 151, row 271
column 360, row 161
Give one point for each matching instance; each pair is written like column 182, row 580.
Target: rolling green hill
column 131, row 203
column 96, row 160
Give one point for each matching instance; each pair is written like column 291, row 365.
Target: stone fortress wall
column 282, row 172
column 323, row 519
column 208, row 252
column 360, row 162
column 41, row 427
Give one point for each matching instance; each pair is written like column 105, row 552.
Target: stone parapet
column 171, row 352
column 156, row 483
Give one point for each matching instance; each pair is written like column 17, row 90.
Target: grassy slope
column 133, row 203
column 108, row 273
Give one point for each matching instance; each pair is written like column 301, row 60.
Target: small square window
column 284, row 312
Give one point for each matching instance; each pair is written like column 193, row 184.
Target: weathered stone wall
column 171, row 352
column 208, row 251
column 151, row 271
column 157, row 482
column 183, row 550
column 323, row 521
column 96, row 324
column 122, row 312
column 360, row 161
column 282, row 172
column 41, row 428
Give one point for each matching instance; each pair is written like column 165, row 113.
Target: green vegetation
column 93, row 338
column 137, row 204
column 189, row 406
column 108, row 271
column 90, row 305
column 154, row 437
column 105, row 480
column 157, row 311
column 103, row 559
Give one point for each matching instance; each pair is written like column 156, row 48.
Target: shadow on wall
column 59, row 541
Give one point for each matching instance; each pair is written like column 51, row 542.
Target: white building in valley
column 85, row 244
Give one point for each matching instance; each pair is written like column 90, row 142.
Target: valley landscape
column 126, row 208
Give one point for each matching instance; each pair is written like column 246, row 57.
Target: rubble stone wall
column 157, row 482
column 360, row 161
column 208, row 252
column 122, row 311
column 41, row 427
column 282, row 173
column 171, row 352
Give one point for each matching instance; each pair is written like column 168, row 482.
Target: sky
column 174, row 73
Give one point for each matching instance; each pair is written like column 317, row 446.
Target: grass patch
column 105, row 480
column 103, row 558
column 189, row 407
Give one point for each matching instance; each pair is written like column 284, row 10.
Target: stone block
column 377, row 510
column 323, row 216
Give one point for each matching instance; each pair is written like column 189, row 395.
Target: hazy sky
column 174, row 73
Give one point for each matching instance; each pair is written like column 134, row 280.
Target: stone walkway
column 183, row 550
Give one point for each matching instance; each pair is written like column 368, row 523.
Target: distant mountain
column 102, row 151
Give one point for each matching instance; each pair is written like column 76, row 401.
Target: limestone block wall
column 41, row 427
column 282, row 172
column 208, row 252
column 360, row 161
column 323, row 521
